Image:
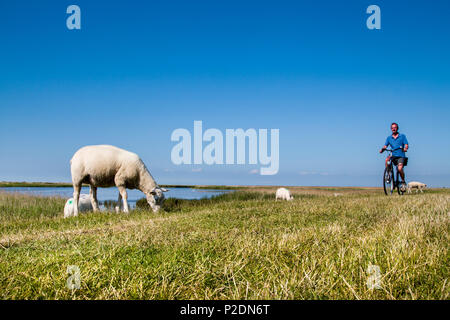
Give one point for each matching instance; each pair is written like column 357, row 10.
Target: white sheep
column 416, row 185
column 107, row 166
column 283, row 194
column 84, row 204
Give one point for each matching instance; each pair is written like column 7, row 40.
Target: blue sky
column 137, row 70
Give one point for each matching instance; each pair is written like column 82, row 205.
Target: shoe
column 403, row 186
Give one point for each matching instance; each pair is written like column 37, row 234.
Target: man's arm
column 405, row 148
column 385, row 145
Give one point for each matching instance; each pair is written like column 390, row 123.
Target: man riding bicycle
column 399, row 145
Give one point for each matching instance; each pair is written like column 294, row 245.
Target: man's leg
column 400, row 170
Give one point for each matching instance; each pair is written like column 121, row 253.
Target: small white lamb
column 283, row 194
column 84, row 204
column 416, row 185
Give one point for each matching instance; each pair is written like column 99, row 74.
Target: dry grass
column 242, row 245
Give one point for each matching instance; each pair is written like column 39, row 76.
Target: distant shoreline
column 11, row 184
column 37, row 184
column 7, row 184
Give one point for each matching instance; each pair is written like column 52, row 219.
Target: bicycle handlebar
column 392, row 150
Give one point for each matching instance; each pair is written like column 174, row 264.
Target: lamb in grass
column 283, row 194
column 107, row 166
column 416, row 185
column 84, row 204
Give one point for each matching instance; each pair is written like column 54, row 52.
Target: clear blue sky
column 137, row 70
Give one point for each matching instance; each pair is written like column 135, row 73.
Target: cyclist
column 399, row 144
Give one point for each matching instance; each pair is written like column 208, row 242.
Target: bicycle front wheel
column 388, row 181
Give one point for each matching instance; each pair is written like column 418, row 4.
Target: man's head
column 394, row 128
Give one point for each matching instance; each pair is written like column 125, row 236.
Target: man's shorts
column 397, row 160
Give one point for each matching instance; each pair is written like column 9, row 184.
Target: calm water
column 104, row 194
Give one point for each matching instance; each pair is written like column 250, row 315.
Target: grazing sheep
column 107, row 166
column 283, row 194
column 337, row 194
column 416, row 185
column 84, row 204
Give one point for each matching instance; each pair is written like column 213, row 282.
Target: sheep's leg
column 119, row 203
column 123, row 193
column 93, row 193
column 76, row 197
column 421, row 191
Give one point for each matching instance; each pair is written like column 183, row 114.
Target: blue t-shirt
column 397, row 143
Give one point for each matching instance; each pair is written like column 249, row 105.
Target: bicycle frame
column 393, row 174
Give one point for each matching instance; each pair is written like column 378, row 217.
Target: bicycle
column 391, row 181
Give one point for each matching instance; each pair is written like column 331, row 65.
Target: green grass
column 241, row 245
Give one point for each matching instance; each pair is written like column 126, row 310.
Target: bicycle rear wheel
column 388, row 181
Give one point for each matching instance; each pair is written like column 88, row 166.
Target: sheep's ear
column 164, row 189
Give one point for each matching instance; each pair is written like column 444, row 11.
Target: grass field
column 242, row 245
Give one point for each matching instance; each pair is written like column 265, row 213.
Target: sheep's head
column 291, row 198
column 156, row 198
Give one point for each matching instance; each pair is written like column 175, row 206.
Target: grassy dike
column 241, row 245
